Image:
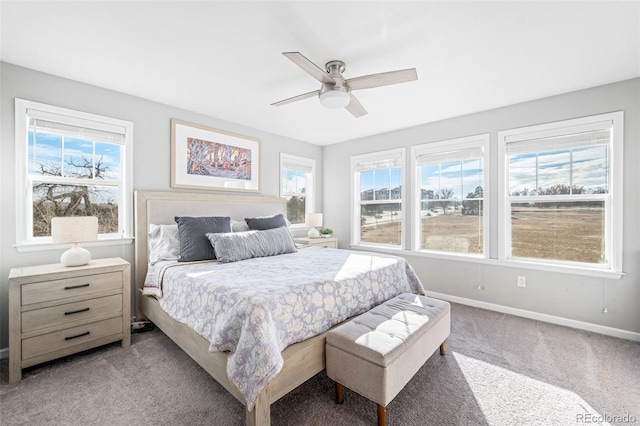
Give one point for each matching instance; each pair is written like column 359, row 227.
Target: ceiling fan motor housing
column 335, row 95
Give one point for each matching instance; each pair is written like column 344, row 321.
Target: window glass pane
column 78, row 158
column 591, row 169
column 396, row 184
column 569, row 231
column 554, row 172
column 366, row 185
column 51, row 200
column 451, row 180
column 107, row 161
column 294, row 181
column 522, row 174
column 472, row 177
column 381, row 223
column 455, row 231
column 45, row 154
column 296, row 209
column 429, row 180
column 382, row 181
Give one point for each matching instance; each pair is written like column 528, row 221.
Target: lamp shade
column 74, row 229
column 314, row 219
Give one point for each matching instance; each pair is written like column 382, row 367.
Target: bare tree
column 444, row 195
column 58, row 199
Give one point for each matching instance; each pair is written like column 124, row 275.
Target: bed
column 297, row 361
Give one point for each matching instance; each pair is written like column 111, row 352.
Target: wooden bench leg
column 339, row 393
column 382, row 415
column 442, row 348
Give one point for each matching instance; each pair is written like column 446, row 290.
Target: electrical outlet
column 522, row 281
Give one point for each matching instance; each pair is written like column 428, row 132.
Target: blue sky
column 462, row 177
column 294, row 182
column 48, row 151
column 380, row 179
column 589, row 168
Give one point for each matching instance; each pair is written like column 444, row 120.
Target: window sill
column 46, row 246
column 562, row 269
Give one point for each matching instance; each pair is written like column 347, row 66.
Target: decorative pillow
column 164, row 243
column 245, row 245
column 239, row 226
column 266, row 222
column 194, row 244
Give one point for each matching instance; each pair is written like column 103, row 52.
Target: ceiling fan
column 335, row 91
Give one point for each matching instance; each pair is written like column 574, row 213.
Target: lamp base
column 75, row 256
column 313, row 233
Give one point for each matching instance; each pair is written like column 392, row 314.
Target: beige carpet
column 499, row 370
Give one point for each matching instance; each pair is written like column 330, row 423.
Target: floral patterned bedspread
column 255, row 308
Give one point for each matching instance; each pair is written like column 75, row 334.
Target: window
column 561, row 193
column 71, row 163
column 378, row 198
column 297, row 176
column 450, row 189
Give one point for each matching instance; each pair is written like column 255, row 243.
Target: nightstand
column 56, row 311
column 331, row 242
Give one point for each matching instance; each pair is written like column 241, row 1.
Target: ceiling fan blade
column 382, row 79
column 355, row 107
column 296, row 98
column 312, row 69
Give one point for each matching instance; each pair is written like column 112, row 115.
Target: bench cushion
column 377, row 353
column 386, row 331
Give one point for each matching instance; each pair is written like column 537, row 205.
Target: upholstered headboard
column 161, row 207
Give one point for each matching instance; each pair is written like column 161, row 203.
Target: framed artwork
column 207, row 158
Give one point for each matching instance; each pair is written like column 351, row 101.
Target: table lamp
column 313, row 220
column 74, row 229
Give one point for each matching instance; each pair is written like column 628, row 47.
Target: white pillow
column 164, row 243
column 239, row 226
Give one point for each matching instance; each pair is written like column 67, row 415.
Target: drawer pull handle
column 71, row 287
column 86, row 333
column 76, row 312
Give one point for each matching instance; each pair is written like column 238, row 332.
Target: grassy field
column 540, row 233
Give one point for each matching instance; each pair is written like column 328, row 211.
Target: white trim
column 23, row 188
column 46, row 246
column 518, row 264
column 457, row 144
column 355, row 194
column 552, row 319
column 614, row 207
column 310, row 188
column 4, row 353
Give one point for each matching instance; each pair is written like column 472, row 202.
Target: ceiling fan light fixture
column 335, row 99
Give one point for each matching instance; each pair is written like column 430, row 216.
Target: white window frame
column 25, row 242
column 441, row 147
column 310, row 188
column 613, row 200
column 355, row 196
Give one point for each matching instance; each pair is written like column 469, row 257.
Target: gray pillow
column 194, row 244
column 245, row 245
column 265, row 222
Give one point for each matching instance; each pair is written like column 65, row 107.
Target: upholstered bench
column 377, row 353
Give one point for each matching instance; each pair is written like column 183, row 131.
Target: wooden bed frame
column 301, row 360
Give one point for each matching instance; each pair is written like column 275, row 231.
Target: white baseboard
column 581, row 325
column 4, row 353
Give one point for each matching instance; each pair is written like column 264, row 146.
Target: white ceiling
column 223, row 59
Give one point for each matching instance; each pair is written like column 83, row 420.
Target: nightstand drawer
column 52, row 342
column 59, row 289
column 70, row 312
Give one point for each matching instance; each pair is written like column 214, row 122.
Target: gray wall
column 151, row 158
column 567, row 296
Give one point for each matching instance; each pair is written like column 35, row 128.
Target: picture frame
column 213, row 159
